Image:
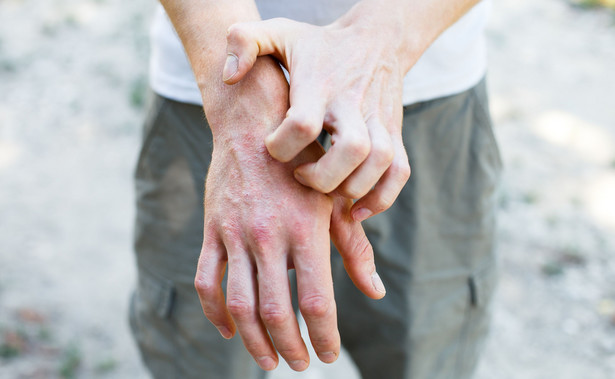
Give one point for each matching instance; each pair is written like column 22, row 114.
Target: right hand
column 345, row 78
column 261, row 222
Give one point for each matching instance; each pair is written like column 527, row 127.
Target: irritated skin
column 259, row 219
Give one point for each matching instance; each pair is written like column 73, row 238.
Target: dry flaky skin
column 362, row 110
column 79, row 146
column 244, row 228
column 346, row 78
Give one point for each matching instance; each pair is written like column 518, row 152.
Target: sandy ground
column 72, row 84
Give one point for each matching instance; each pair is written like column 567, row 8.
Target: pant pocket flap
column 156, row 292
column 482, row 284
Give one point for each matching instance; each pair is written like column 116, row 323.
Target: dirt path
column 72, row 78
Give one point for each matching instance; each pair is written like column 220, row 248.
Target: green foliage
column 8, row 351
column 71, row 360
column 595, row 3
column 106, row 366
column 12, row 343
column 138, row 90
column 552, row 269
column 530, row 198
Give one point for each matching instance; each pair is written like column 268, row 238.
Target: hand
column 261, row 222
column 346, row 78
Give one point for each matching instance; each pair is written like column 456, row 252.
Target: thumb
column 246, row 41
column 357, row 253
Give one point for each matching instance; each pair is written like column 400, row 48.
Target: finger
column 242, row 300
column 350, row 147
column 208, row 279
column 277, row 313
column 381, row 154
column 316, row 300
column 302, row 125
column 248, row 40
column 356, row 251
column 387, row 189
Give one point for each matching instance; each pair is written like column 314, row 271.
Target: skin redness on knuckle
column 239, row 308
column 274, row 314
column 228, row 230
column 204, row 288
column 316, row 306
column 302, row 231
column 262, row 238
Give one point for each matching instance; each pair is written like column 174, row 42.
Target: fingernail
column 327, row 357
column 230, row 67
column 361, row 214
column 225, row 332
column 298, row 365
column 377, row 283
column 266, row 363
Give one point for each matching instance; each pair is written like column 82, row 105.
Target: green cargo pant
column 434, row 250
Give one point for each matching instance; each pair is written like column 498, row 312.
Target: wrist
column 404, row 40
column 249, row 110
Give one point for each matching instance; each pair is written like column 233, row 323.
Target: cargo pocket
column 150, row 309
column 155, row 293
column 481, row 286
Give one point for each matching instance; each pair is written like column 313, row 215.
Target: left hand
column 259, row 222
column 347, row 79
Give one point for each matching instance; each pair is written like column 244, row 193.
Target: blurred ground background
column 72, row 92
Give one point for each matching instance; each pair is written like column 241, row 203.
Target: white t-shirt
column 456, row 61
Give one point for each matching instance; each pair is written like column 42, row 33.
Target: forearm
column 251, row 108
column 412, row 24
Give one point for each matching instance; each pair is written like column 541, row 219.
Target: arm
column 258, row 220
column 347, row 78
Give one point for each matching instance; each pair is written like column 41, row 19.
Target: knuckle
column 382, row 154
column 204, row 288
column 274, row 314
column 321, row 343
column 358, row 148
column 236, row 34
column 365, row 253
column 255, row 348
column 262, row 237
column 239, row 308
column 228, row 229
column 401, row 170
column 382, row 203
column 353, row 192
column 304, row 128
column 302, row 231
column 315, row 306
